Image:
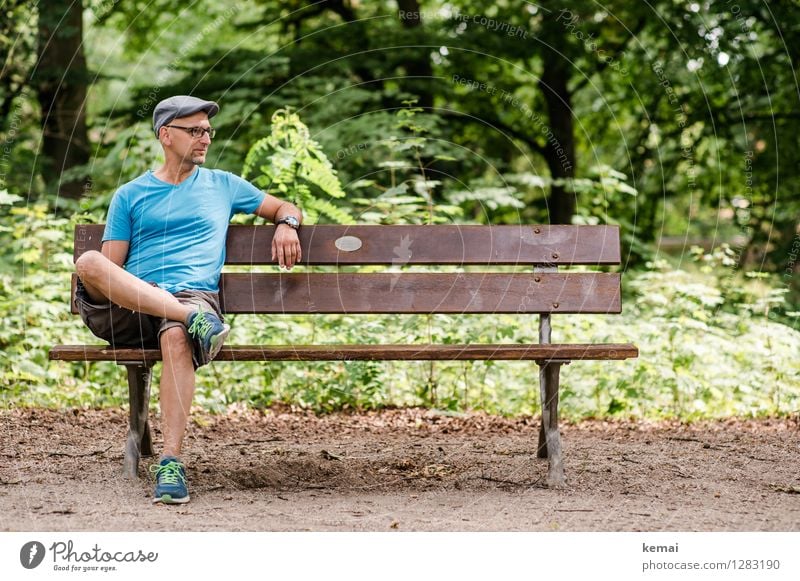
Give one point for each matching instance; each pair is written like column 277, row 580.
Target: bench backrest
column 541, row 290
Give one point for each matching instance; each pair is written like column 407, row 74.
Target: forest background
column 677, row 121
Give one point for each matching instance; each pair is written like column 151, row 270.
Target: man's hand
column 285, row 243
column 286, row 246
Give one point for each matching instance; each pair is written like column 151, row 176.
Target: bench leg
column 140, row 441
column 541, row 451
column 549, row 437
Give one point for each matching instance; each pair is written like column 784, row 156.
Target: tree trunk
column 418, row 68
column 560, row 146
column 61, row 80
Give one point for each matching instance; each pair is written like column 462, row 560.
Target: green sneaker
column 171, row 485
column 207, row 328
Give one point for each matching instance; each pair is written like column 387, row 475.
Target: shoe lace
column 200, row 326
column 168, row 473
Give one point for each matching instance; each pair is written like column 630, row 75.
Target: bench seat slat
column 531, row 352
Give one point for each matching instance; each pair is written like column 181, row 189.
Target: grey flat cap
column 180, row 106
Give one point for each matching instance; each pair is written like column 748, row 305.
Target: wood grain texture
column 413, row 244
column 416, row 293
column 408, row 293
column 508, row 352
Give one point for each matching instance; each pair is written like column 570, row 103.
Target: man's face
column 181, row 141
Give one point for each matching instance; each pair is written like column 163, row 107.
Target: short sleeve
column 118, row 222
column 246, row 197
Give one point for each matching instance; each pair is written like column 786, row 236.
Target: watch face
column 290, row 221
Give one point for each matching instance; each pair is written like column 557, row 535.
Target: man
column 155, row 282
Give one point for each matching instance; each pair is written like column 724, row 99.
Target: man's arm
column 285, row 243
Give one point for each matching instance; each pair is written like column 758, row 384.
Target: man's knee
column 89, row 265
column 174, row 341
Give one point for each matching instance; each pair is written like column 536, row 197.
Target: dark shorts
column 125, row 328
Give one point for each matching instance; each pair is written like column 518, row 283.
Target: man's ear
column 164, row 137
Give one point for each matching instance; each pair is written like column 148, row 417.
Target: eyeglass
column 197, row 132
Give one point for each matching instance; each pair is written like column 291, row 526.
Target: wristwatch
column 290, row 221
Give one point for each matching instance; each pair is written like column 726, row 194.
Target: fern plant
column 291, row 163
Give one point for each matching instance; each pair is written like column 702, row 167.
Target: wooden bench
column 539, row 289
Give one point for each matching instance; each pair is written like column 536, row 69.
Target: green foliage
column 707, row 346
column 438, row 120
column 290, row 163
column 35, row 266
column 701, row 137
column 409, row 197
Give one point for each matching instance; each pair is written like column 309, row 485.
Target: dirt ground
column 411, row 470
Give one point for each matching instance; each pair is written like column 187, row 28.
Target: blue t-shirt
column 177, row 232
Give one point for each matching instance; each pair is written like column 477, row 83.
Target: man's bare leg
column 176, row 388
column 105, row 280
